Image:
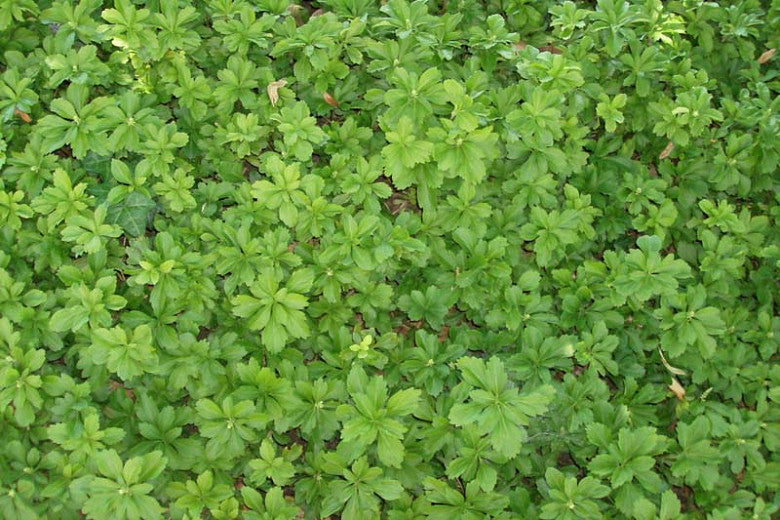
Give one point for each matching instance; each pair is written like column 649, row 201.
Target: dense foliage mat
column 355, row 259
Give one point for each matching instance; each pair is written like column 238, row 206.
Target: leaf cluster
column 408, row 259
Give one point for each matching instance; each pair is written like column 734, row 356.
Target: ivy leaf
column 131, row 213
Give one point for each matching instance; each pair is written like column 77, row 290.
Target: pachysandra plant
column 394, row 259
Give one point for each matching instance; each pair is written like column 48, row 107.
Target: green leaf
column 495, row 407
column 131, row 213
column 123, row 491
column 648, row 274
column 404, row 152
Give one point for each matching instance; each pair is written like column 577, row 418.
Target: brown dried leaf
column 444, row 334
column 666, row 151
column 297, row 13
column 766, row 56
column 519, row 46
column 330, row 99
column 652, row 170
column 552, row 49
column 677, row 389
column 672, row 370
column 24, row 116
column 273, row 90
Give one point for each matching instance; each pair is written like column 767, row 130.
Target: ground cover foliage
column 354, row 259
